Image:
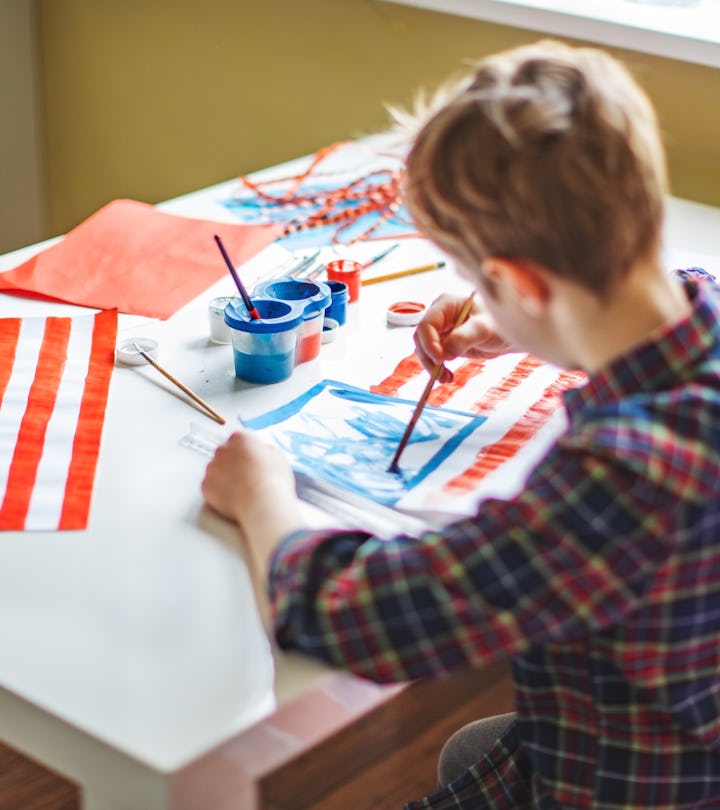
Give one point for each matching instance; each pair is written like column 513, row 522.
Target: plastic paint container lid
column 330, row 330
column 405, row 313
column 315, row 295
column 128, row 355
column 275, row 316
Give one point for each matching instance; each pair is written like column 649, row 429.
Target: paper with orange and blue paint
column 347, row 436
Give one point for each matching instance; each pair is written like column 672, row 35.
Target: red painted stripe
column 461, row 376
column 9, row 333
column 405, row 370
column 496, row 454
column 86, row 445
column 501, row 391
column 31, row 436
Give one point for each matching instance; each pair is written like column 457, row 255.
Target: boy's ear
column 522, row 280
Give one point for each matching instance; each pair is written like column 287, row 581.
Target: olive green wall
column 149, row 99
column 22, row 194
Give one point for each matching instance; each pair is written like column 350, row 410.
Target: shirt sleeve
column 569, row 555
column 697, row 274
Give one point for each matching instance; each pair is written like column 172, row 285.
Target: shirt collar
column 661, row 361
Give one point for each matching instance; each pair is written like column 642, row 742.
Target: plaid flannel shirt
column 600, row 581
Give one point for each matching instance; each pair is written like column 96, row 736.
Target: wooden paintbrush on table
column 174, row 380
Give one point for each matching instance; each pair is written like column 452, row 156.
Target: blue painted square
column 347, row 436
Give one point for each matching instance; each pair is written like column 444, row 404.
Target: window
column 688, row 30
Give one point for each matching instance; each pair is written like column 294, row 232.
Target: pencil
column 174, row 380
column 252, row 312
column 434, row 374
column 411, row 271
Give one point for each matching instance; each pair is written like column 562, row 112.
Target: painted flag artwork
column 347, row 436
column 54, row 379
column 479, row 435
column 519, row 398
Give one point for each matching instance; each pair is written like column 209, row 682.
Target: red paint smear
column 492, row 456
column 443, row 392
column 410, row 367
column 502, row 390
column 405, row 370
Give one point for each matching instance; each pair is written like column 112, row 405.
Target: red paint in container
column 405, row 313
column 347, row 271
column 309, row 344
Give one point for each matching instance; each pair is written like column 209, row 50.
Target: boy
column 544, row 179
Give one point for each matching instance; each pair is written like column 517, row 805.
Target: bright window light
column 688, row 30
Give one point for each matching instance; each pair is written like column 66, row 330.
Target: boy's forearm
column 261, row 534
column 264, row 527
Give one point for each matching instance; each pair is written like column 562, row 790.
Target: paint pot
column 264, row 349
column 338, row 302
column 330, row 330
column 405, row 313
column 128, row 355
column 314, row 296
column 347, row 271
column 219, row 330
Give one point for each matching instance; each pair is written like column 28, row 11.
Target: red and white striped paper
column 54, row 379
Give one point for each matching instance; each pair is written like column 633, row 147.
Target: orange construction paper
column 132, row 257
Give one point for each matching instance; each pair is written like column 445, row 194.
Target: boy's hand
column 437, row 342
column 252, row 484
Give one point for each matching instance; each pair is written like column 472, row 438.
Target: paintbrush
column 303, row 265
column 174, row 380
column 252, row 312
column 380, row 256
column 434, row 374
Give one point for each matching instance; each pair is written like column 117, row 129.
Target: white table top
column 134, row 649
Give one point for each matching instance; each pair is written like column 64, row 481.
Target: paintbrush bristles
column 434, row 374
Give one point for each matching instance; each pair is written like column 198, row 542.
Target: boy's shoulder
column 701, row 281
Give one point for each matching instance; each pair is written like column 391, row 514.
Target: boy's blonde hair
column 549, row 153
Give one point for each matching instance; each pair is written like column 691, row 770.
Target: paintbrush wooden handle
column 174, row 380
column 434, row 374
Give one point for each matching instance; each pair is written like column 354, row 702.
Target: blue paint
column 353, row 444
column 314, row 296
column 264, row 350
column 264, row 369
column 338, row 302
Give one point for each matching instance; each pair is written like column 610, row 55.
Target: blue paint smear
column 359, row 461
